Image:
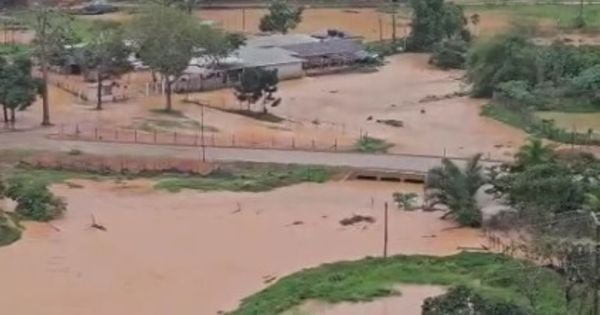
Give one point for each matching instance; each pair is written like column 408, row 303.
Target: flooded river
column 198, row 253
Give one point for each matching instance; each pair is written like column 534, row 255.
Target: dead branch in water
column 96, row 225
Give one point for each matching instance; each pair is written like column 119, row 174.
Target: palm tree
column 455, row 188
column 534, row 152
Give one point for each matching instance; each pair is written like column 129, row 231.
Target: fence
column 79, row 162
column 200, row 139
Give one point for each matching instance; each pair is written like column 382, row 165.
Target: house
column 202, row 75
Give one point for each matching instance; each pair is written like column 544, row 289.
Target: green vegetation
column 281, row 17
column 18, row 87
column 450, row 54
column 10, row 50
column 9, row 228
column 434, row 21
column 464, row 300
column 10, row 232
column 34, row 200
column 494, row 277
column 405, row 201
column 258, row 84
column 254, row 179
column 368, row 144
column 524, row 79
column 455, row 188
column 157, row 124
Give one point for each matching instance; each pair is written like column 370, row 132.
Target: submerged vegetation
column 368, row 144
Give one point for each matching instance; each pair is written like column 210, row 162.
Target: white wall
column 288, row 71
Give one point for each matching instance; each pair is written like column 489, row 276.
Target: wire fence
column 200, row 139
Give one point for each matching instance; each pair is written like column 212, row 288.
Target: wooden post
column 385, row 231
column 154, row 136
column 116, row 134
column 233, row 140
column 135, row 135
column 175, row 137
column 96, row 133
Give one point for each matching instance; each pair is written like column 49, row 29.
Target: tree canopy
column 18, row 88
column 433, row 21
column 256, row 84
column 107, row 55
column 166, row 39
column 281, row 18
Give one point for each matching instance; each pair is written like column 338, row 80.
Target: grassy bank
column 228, row 177
column 563, row 15
column 252, row 179
column 527, row 120
column 493, row 276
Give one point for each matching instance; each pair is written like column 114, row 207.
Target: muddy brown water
column 195, row 253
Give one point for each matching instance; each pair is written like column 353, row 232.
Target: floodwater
column 198, row 253
column 409, row 302
column 580, row 122
column 346, row 105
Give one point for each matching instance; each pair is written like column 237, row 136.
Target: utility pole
column 380, row 29
column 394, row 12
column 202, row 132
column 385, row 230
column 243, row 20
column 596, row 266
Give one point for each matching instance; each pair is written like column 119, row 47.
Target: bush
column 450, row 54
column 368, row 144
column 506, row 57
column 9, row 230
column 462, row 300
column 35, row 201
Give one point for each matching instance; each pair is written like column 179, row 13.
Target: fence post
column 155, row 136
column 116, row 134
column 293, row 143
column 272, row 142
column 312, row 144
column 196, row 140
column 135, row 135
column 96, row 133
column 233, row 140
column 335, row 144
column 62, row 130
column 77, row 130
column 175, row 137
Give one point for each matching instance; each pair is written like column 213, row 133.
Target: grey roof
column 323, row 48
column 260, row 57
column 279, row 40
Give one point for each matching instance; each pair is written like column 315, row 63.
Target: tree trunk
column 394, row 24
column 45, row 103
column 12, row 118
column 4, row 110
column 99, row 92
column 168, row 95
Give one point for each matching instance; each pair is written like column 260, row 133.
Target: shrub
column 462, row 300
column 35, row 201
column 9, row 231
column 450, row 54
column 405, row 201
column 368, row 144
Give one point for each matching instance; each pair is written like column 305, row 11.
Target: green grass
column 368, row 144
column 252, row 180
column 229, row 177
column 493, row 276
column 13, row 49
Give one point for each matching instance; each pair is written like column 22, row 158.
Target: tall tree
column 281, row 17
column 256, row 84
column 434, row 21
column 106, row 54
column 218, row 44
column 52, row 34
column 166, row 40
column 18, row 88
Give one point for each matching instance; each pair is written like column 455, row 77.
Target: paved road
column 412, row 163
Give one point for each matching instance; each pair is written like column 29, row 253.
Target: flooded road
column 198, row 253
